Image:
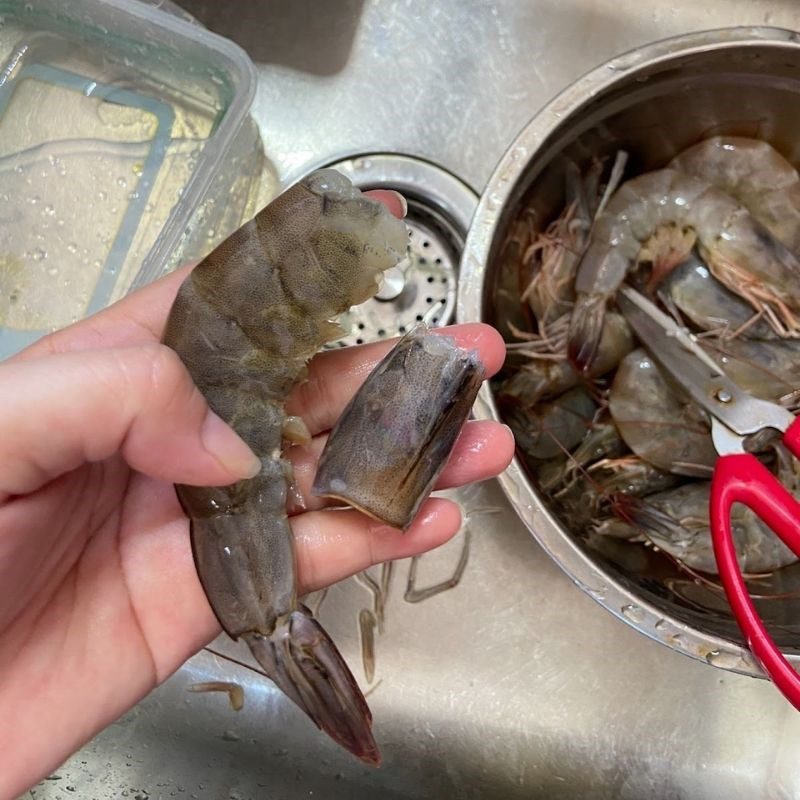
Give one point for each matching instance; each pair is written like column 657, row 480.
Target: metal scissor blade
column 677, row 351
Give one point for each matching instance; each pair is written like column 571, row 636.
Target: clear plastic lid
column 122, row 129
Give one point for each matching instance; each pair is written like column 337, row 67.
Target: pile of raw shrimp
column 619, row 452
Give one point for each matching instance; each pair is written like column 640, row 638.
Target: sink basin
column 514, row 683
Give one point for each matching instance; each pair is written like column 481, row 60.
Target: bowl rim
column 544, row 527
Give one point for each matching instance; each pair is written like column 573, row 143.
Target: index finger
column 335, row 375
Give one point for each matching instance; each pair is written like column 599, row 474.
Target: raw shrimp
column 695, row 292
column 554, row 427
column 599, row 485
column 554, row 254
column 602, row 441
column 542, row 378
column 677, row 521
column 739, row 251
column 630, row 475
column 672, row 434
column 754, row 173
column 245, row 322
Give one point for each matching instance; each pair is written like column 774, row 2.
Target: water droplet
column 34, row 199
column 724, row 659
column 49, row 210
column 38, row 254
column 230, row 736
column 661, row 625
column 72, row 247
column 52, row 271
column 495, row 201
column 633, row 613
column 101, row 195
column 122, row 182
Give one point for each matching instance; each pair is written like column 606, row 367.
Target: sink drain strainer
column 440, row 208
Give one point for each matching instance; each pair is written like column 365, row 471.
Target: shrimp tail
column 585, row 330
column 304, row 663
column 245, row 560
column 645, row 517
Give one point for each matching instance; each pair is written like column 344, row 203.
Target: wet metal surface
column 514, row 684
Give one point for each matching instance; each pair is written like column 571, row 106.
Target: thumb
column 59, row 411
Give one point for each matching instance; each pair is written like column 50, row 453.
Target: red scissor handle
column 744, row 479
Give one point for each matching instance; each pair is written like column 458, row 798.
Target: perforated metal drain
column 440, row 208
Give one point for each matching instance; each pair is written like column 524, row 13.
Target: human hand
column 99, row 597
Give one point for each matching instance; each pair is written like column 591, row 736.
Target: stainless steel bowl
column 651, row 102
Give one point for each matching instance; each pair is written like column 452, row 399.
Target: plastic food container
column 125, row 147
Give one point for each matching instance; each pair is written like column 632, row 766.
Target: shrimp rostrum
column 245, row 323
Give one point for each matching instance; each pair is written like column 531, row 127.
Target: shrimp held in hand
column 245, row 323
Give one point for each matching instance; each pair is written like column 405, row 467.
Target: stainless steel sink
column 513, row 684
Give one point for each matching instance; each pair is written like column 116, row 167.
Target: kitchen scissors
column 739, row 477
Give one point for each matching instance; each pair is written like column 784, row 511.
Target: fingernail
column 510, row 434
column 402, row 200
column 224, row 444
